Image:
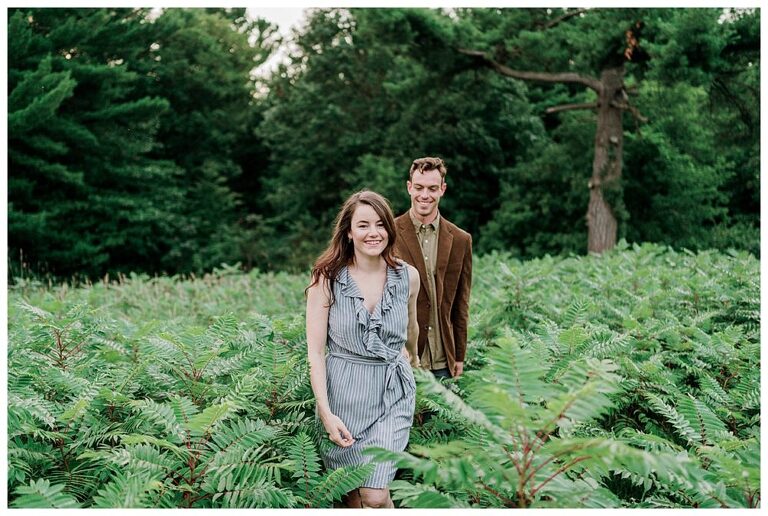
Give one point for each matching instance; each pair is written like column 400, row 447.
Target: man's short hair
column 426, row 164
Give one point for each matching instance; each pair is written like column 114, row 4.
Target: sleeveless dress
column 370, row 383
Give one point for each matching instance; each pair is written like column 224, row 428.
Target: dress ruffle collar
column 371, row 322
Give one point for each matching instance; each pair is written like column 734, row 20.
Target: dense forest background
column 143, row 141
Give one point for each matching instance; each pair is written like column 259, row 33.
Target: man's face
column 426, row 189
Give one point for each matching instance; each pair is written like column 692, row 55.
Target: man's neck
column 425, row 220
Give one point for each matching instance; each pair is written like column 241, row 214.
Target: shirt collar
column 417, row 223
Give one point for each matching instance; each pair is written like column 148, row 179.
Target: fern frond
column 160, row 414
column 144, row 457
column 305, row 463
column 701, row 417
column 711, row 389
column 422, row 496
column 123, row 490
column 671, row 415
column 136, row 439
column 747, row 395
column 576, row 313
column 585, row 389
column 517, row 371
column 338, row 482
column 607, row 344
column 257, row 493
column 563, row 493
column 204, row 422
column 237, row 469
column 224, row 327
column 242, row 433
column 41, row 494
column 648, row 442
column 32, row 405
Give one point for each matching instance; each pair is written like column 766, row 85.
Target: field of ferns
column 627, row 380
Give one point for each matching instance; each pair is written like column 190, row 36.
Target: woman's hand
column 337, row 431
column 414, row 361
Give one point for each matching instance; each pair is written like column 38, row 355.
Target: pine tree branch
column 571, row 107
column 576, row 78
column 557, row 21
column 626, row 106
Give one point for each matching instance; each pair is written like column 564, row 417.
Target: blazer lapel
column 444, row 244
column 416, row 258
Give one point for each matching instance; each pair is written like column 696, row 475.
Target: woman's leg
column 376, row 498
column 352, row 499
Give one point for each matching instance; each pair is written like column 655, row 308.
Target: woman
column 361, row 304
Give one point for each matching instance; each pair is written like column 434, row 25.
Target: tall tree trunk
column 605, row 184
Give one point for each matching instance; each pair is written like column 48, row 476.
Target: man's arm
column 460, row 310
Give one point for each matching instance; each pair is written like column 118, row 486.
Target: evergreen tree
column 358, row 104
column 84, row 196
column 677, row 63
column 201, row 62
column 124, row 126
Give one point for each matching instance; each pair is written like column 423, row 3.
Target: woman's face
column 368, row 235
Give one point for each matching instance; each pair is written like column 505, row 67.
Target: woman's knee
column 375, row 498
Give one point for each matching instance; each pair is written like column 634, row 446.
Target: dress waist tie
column 398, row 370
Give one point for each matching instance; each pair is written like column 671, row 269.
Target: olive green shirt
column 433, row 357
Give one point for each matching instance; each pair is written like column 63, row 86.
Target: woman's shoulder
column 413, row 273
column 320, row 283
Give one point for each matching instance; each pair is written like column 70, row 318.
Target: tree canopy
column 142, row 140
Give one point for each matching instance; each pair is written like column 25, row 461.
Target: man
column 442, row 253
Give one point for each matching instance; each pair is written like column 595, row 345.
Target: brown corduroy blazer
column 453, row 281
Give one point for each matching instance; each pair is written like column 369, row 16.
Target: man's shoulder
column 403, row 221
column 455, row 230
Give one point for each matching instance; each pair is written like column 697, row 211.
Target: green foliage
column 85, row 193
column 151, row 141
column 693, row 70
column 626, row 380
column 41, row 494
column 377, row 101
column 125, row 129
column 613, row 381
column 120, row 410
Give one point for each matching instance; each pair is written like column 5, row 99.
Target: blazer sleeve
column 460, row 310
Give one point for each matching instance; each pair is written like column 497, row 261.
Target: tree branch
column 566, row 16
column 571, row 107
column 632, row 109
column 589, row 82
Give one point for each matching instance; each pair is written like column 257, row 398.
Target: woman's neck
column 365, row 263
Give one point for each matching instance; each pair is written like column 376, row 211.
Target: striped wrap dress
column 370, row 383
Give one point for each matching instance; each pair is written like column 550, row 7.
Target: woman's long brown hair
column 340, row 250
